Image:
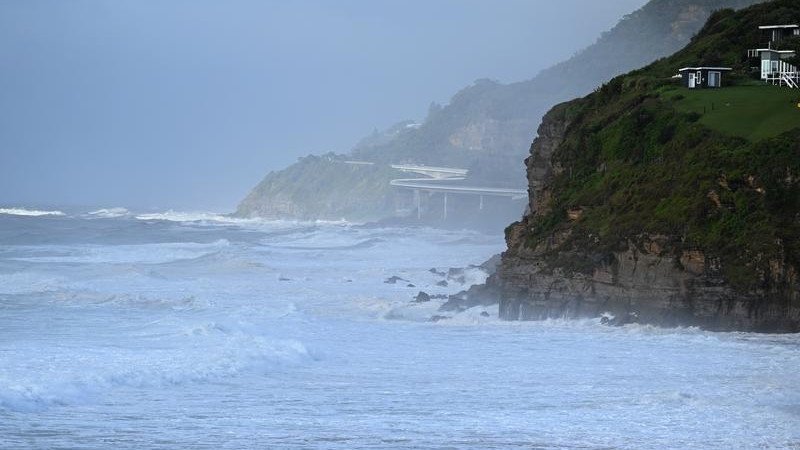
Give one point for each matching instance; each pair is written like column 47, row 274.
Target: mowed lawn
column 752, row 112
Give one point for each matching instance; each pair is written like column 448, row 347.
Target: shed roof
column 770, row 27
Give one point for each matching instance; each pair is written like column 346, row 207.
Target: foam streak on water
column 149, row 331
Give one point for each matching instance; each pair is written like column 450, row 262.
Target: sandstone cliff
column 643, row 282
column 639, row 212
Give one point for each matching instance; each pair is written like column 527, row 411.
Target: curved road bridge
column 443, row 179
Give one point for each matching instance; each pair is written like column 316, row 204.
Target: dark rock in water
column 618, row 321
column 490, row 265
column 455, row 272
column 436, row 272
column 410, row 285
column 438, row 318
column 442, row 283
column 477, row 295
column 422, row 297
column 439, row 296
column 484, row 314
column 394, row 280
column 456, row 302
column 284, row 279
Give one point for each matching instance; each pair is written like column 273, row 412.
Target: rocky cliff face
column 649, row 278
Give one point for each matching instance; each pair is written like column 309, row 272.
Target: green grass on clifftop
column 753, row 112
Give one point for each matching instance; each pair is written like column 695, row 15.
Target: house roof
column 770, row 27
column 773, row 50
column 704, row 68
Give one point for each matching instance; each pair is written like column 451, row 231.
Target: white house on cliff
column 774, row 68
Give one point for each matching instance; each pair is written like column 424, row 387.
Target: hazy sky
column 187, row 104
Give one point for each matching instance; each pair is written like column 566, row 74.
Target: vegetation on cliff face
column 640, row 158
column 486, row 127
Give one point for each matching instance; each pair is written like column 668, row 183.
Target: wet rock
column 455, row 272
column 394, row 279
column 422, row 297
column 442, row 283
column 410, row 285
column 484, row 314
column 490, row 265
column 284, row 279
column 477, row 295
column 437, row 272
column 438, row 318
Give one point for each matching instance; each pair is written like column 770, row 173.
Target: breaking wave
column 179, row 216
column 242, row 354
column 29, row 212
column 228, row 219
column 109, row 213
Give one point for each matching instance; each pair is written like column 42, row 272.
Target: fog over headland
column 186, row 104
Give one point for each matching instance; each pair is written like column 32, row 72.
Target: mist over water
column 175, row 330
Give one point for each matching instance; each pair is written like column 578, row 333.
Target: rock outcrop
column 561, row 264
column 644, row 285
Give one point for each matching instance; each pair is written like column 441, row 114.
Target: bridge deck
column 431, row 185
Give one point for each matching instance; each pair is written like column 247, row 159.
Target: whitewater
column 174, row 330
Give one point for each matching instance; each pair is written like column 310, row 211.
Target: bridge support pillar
column 418, row 202
column 445, row 206
column 481, row 205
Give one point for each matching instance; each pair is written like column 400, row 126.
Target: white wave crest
column 29, row 212
column 109, row 213
column 227, row 219
column 180, row 216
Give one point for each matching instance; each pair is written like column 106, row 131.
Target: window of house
column 714, row 79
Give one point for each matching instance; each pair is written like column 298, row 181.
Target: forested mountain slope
column 487, row 127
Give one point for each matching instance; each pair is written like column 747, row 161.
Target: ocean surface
column 196, row 331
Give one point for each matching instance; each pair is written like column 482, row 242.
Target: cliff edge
column 654, row 203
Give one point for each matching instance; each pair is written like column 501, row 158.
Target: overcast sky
column 187, row 104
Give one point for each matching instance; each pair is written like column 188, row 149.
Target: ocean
column 198, row 331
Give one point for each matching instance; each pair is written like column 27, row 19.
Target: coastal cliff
column 646, row 208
